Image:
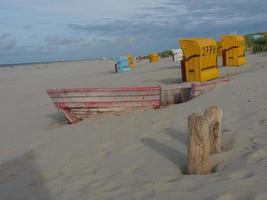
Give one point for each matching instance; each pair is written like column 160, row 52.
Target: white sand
column 140, row 155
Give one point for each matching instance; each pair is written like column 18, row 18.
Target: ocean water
column 45, row 62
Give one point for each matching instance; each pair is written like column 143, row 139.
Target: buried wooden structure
column 175, row 95
column 198, row 88
column 79, row 103
column 204, row 138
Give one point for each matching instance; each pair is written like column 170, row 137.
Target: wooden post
column 198, row 145
column 213, row 115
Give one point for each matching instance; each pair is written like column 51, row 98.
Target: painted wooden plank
column 104, row 94
column 78, row 103
column 107, row 104
column 107, row 99
column 84, row 116
column 71, row 118
column 200, row 88
column 88, row 110
column 118, row 89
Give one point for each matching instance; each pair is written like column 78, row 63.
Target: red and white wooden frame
column 79, row 103
column 198, row 88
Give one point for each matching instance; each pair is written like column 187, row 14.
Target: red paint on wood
column 201, row 87
column 78, row 103
column 154, row 103
column 69, row 116
column 119, row 89
column 103, row 94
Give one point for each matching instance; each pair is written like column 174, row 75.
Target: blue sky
column 47, row 30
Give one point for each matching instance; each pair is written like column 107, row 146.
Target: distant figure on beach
column 139, row 59
column 177, row 55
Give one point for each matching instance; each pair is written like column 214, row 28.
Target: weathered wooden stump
column 214, row 116
column 198, row 145
column 204, row 138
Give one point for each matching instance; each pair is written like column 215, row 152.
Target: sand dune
column 137, row 155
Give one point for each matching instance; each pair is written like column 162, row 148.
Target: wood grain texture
column 79, row 103
column 214, row 116
column 198, row 145
column 199, row 88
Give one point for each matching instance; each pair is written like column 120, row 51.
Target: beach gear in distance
column 121, row 64
column 233, row 50
column 200, row 61
column 153, row 58
column 258, row 38
column 131, row 61
column 177, row 55
column 219, row 48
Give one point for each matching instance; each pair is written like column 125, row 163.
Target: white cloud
column 6, row 42
column 109, row 27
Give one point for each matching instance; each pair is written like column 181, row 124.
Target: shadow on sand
column 171, row 67
column 108, row 72
column 57, row 117
column 171, row 81
column 173, row 155
column 21, row 179
column 177, row 135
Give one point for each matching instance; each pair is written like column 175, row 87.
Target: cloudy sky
column 47, row 30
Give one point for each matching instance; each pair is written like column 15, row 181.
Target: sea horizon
column 47, row 62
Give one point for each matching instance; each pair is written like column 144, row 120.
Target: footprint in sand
column 229, row 196
column 263, row 122
column 96, row 183
column 190, row 184
column 104, row 149
column 166, row 183
column 218, row 178
column 173, row 184
column 107, row 145
column 100, row 179
column 144, row 195
column 111, row 186
column 158, row 186
column 243, row 174
column 55, row 125
column 135, row 169
column 170, row 178
column 128, row 149
column 257, row 156
column 262, row 196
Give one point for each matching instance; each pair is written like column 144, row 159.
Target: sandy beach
column 138, row 155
